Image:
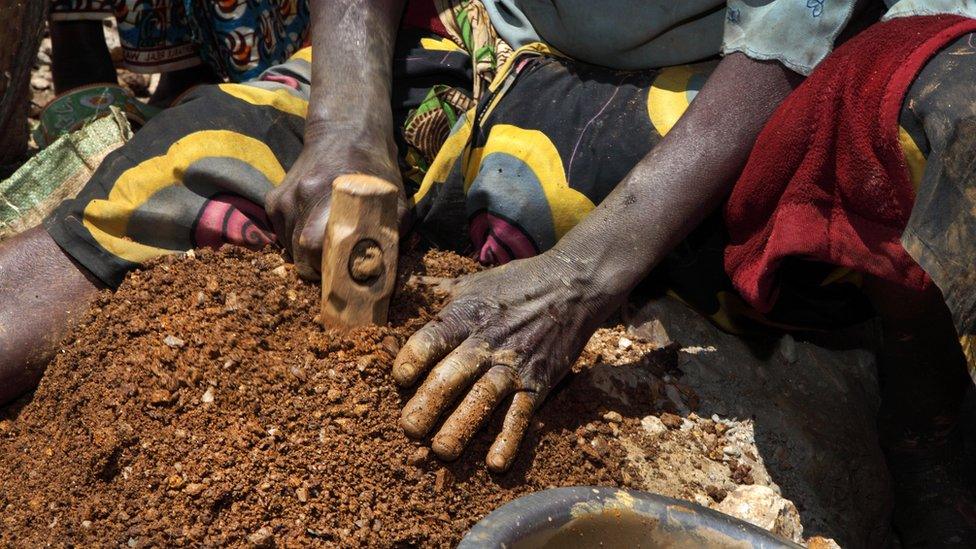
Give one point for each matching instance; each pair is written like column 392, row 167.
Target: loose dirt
column 202, row 404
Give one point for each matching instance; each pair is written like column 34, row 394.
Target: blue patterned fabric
column 240, row 39
column 801, row 33
column 243, row 38
column 648, row 34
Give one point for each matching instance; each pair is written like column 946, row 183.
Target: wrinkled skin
column 299, row 207
column 505, row 332
column 517, row 329
column 349, row 127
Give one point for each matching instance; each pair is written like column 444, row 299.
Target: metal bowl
column 587, row 516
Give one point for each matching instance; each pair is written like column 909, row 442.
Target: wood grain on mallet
column 359, row 258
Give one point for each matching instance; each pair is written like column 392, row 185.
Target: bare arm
column 349, row 128
column 517, row 329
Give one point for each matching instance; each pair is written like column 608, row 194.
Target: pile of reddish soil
column 202, row 404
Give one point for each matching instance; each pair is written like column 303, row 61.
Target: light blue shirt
column 647, row 34
column 801, row 33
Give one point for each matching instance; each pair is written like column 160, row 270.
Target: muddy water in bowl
column 585, row 517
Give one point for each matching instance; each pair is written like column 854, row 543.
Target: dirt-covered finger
column 436, row 283
column 506, row 445
column 473, row 412
column 425, row 347
column 309, row 238
column 443, row 386
column 274, row 206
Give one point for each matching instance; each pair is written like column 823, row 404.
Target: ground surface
column 202, row 403
column 205, row 405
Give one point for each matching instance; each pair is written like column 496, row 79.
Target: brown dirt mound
column 202, row 404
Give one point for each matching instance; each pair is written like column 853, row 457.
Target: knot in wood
column 366, row 261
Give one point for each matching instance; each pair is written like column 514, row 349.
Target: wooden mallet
column 359, row 257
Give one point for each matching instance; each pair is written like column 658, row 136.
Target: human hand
column 299, row 207
column 514, row 330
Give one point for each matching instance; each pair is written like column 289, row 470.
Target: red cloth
column 421, row 14
column 827, row 180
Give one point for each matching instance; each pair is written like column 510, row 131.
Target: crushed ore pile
column 203, row 404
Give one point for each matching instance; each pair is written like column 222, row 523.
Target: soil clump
column 203, row 404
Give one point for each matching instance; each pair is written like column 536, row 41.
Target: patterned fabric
column 153, row 33
column 73, row 109
column 468, row 25
column 238, row 38
column 801, row 33
column 197, row 174
column 469, row 34
column 548, row 142
column 939, row 120
column 243, row 38
column 58, row 172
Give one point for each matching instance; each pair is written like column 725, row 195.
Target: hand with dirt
column 511, row 331
column 299, row 207
column 517, row 329
column 349, row 125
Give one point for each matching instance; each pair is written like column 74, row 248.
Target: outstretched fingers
column 473, row 412
column 443, row 386
column 503, row 450
column 424, row 348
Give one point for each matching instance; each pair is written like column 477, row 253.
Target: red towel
column 422, row 14
column 827, row 180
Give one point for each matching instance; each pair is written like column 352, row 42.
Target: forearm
column 352, row 68
column 681, row 181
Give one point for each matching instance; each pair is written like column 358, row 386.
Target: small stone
column 787, row 348
column 280, row 270
column 360, row 410
column 613, row 417
column 40, row 83
column 194, row 489
column 419, row 456
column 731, row 451
column 201, row 299
column 138, row 83
column 132, row 542
column 160, row 397
column 817, row 542
column 390, row 345
column 174, row 342
column 261, row 538
column 86, row 524
column 670, row 421
column 717, row 494
column 653, row 425
column 762, row 506
column 623, row 344
column 302, row 494
column 231, row 302
column 175, row 481
column 208, row 396
column 441, row 480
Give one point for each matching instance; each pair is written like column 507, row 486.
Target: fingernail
column 446, row 447
column 412, row 427
column 403, row 373
column 496, row 463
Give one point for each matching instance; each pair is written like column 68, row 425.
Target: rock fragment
column 762, row 506
column 262, row 538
